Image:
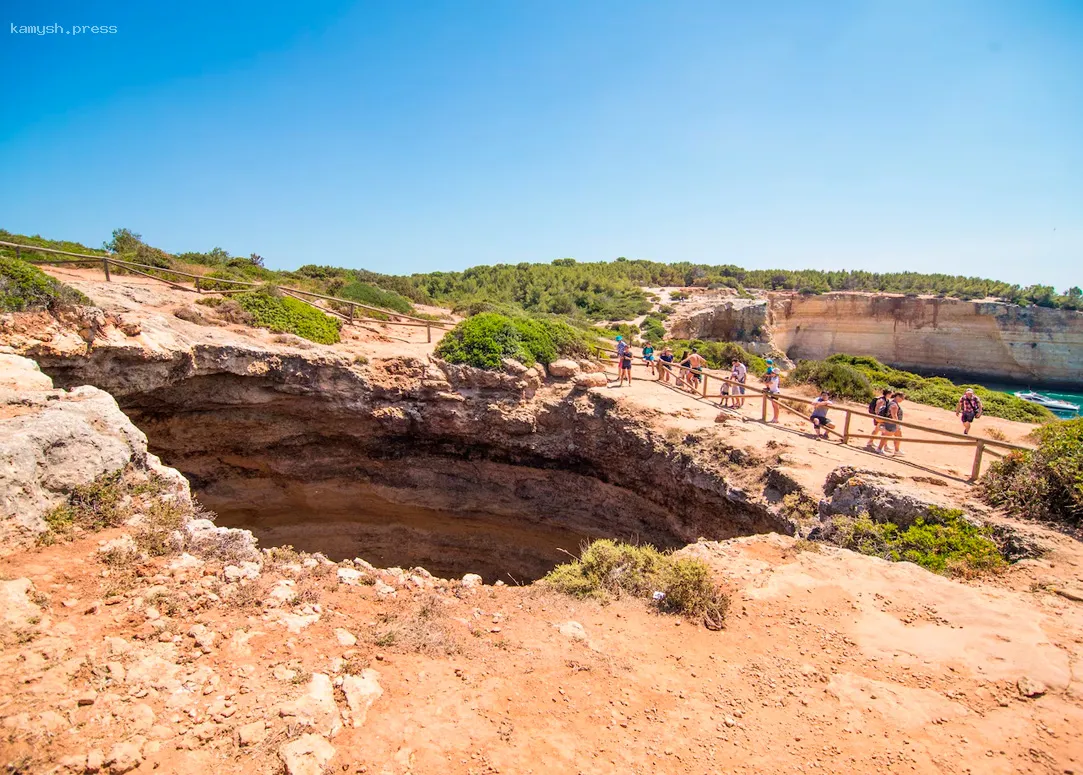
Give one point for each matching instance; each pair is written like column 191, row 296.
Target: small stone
column 350, row 576
column 307, row 755
column 471, row 580
column 87, row 698
column 573, row 630
column 345, row 637
column 252, row 734
column 126, row 756
column 1028, row 687
column 95, row 760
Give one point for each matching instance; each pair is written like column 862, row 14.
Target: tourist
column 648, row 357
column 970, row 409
column 891, row 429
column 696, row 362
column 625, row 366
column 878, row 407
column 665, row 365
column 685, row 368
column 724, row 393
column 739, row 373
column 819, row 419
column 773, row 380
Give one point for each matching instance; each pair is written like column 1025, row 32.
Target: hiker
column 696, row 362
column 739, row 373
column 648, row 357
column 969, row 408
column 878, row 407
column 772, row 379
column 665, row 364
column 891, row 429
column 625, row 367
column 685, row 370
column 820, row 423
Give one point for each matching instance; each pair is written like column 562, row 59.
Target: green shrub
column 610, row 569
column 839, row 379
column 365, row 293
column 1045, row 484
column 719, row 355
column 25, row 287
column 938, row 391
column 485, row 339
column 652, row 328
column 942, row 541
column 285, row 315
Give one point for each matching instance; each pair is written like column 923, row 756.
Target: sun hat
column 619, row 337
column 969, row 390
column 769, row 361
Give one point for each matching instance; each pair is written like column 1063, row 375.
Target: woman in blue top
column 665, row 367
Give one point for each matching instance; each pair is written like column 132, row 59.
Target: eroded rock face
column 448, row 463
column 725, row 320
column 52, row 441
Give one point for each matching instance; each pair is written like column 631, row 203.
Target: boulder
column 565, row 368
column 361, row 692
column 590, row 379
column 315, row 708
column 885, row 498
column 16, row 609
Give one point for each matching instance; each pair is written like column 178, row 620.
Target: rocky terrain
column 982, row 339
column 179, row 646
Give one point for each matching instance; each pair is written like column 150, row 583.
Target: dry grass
column 423, row 629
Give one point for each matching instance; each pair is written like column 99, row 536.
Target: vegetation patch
column 485, row 339
column 848, row 375
column 1046, row 483
column 610, row 569
column 108, row 501
column 942, row 541
column 25, row 287
column 366, row 293
column 719, row 355
column 284, row 315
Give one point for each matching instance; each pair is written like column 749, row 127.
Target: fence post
column 19, row 253
column 976, row 471
column 846, row 428
column 351, row 313
column 198, row 289
column 763, row 417
column 105, row 265
column 428, row 333
column 705, row 378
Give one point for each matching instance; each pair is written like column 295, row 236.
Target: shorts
column 890, row 427
column 695, row 374
column 648, row 358
column 969, row 416
column 741, row 388
column 626, row 363
column 819, row 421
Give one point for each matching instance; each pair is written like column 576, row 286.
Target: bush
column 942, row 541
column 25, row 287
column 485, row 339
column 940, row 392
column 839, row 379
column 285, row 315
column 611, row 569
column 376, row 297
column 1044, row 484
column 719, row 355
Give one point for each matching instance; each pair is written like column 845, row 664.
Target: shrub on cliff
column 942, row 541
column 485, row 339
column 719, row 355
column 839, row 379
column 25, row 287
column 285, row 315
column 940, row 392
column 610, row 569
column 1044, row 484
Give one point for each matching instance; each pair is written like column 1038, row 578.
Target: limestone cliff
column 947, row 336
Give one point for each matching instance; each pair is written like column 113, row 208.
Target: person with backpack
column 969, row 408
column 878, row 407
column 892, row 429
column 648, row 357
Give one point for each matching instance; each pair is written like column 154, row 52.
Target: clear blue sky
column 932, row 135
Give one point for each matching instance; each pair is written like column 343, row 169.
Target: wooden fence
column 982, row 447
column 202, row 284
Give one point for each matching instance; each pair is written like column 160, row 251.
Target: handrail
column 958, row 439
column 396, row 318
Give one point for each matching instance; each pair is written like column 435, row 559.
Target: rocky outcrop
column 946, row 336
column 409, row 461
column 730, row 319
column 52, row 441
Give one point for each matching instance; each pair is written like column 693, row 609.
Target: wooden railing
column 201, row 283
column 981, row 446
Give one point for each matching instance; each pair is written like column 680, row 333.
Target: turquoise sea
column 1058, row 393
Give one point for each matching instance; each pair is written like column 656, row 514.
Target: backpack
column 885, row 410
column 872, row 405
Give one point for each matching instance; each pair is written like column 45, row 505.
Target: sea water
column 1060, row 394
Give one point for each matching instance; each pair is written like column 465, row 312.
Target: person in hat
column 969, row 409
column 773, row 380
column 665, row 364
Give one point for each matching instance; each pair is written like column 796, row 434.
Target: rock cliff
column 947, row 336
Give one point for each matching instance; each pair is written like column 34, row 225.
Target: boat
column 1046, row 401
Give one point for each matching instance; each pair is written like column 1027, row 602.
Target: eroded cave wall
column 948, row 336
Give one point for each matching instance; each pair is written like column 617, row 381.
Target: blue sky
column 938, row 135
